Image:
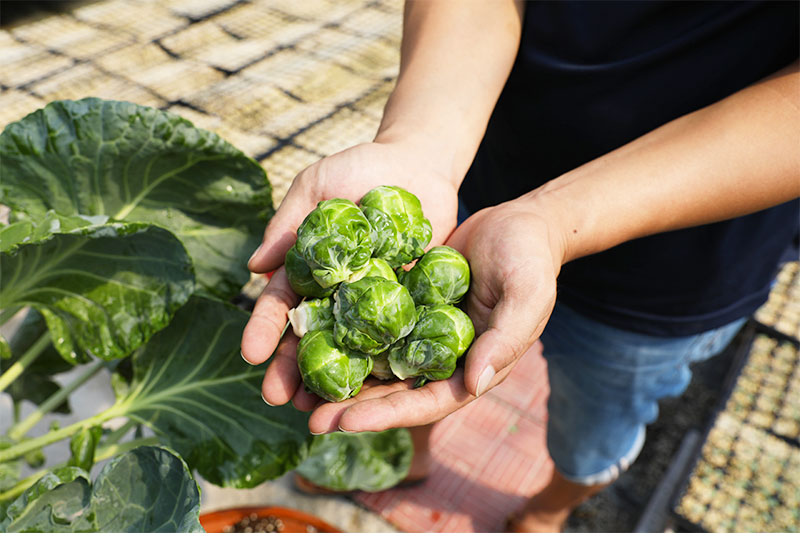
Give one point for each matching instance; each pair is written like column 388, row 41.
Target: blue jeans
column 605, row 384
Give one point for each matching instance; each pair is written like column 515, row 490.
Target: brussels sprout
column 441, row 336
column 402, row 230
column 336, row 240
column 375, row 268
column 371, row 314
column 441, row 276
column 311, row 315
column 300, row 278
column 329, row 371
column 380, row 366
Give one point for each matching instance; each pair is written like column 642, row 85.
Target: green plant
column 124, row 248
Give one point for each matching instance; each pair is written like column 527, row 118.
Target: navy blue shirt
column 592, row 76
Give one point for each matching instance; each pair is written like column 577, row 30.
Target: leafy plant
column 127, row 233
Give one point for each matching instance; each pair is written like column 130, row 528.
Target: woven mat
column 782, row 309
column 287, row 82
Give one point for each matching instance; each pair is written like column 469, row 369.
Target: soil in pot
column 263, row 520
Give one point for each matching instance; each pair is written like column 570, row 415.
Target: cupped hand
column 348, row 174
column 515, row 256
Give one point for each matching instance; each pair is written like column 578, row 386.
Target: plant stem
column 24, row 484
column 110, row 451
column 18, row 431
column 103, row 453
column 20, row 449
column 114, row 437
column 24, row 361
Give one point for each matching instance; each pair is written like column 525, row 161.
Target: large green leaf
column 135, row 163
column 103, row 289
column 148, row 489
column 192, row 388
column 359, row 461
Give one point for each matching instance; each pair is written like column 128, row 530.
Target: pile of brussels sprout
column 363, row 313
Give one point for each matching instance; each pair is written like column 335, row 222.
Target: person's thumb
column 514, row 325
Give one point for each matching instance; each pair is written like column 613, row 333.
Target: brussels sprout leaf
column 140, row 164
column 148, row 489
column 192, row 388
column 102, row 289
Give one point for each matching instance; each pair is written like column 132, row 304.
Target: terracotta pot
column 293, row 521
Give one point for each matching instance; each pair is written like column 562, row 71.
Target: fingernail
column 484, row 379
column 265, row 400
column 258, row 249
column 245, row 359
column 343, row 430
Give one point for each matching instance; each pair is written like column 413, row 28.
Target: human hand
column 348, row 174
column 515, row 256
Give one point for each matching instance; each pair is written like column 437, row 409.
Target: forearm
column 456, row 56
column 737, row 156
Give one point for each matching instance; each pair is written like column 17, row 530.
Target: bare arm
column 737, row 156
column 455, row 58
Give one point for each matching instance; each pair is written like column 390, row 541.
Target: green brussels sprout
column 441, row 336
column 402, row 230
column 311, row 315
column 380, row 366
column 328, row 370
column 336, row 240
column 300, row 278
column 441, row 276
column 371, row 314
column 375, row 268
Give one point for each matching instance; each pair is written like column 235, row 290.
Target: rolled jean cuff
column 613, row 472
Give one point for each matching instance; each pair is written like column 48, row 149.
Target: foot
column 532, row 521
column 548, row 510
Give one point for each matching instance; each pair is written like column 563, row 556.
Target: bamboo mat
column 287, row 82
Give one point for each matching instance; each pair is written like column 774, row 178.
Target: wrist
column 424, row 150
column 566, row 227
